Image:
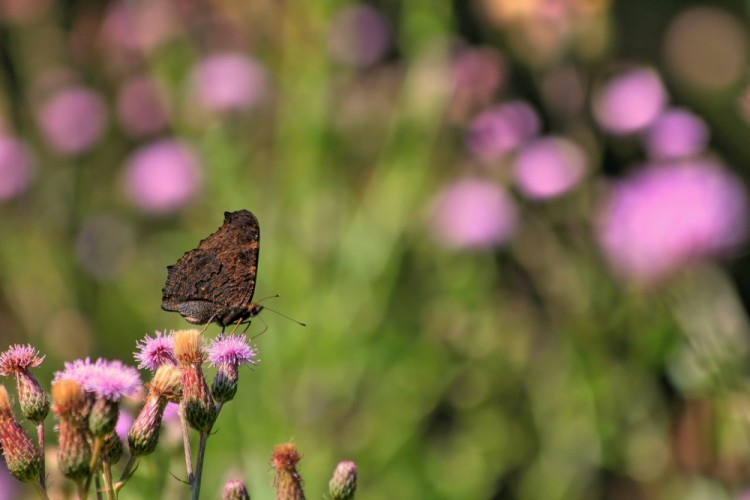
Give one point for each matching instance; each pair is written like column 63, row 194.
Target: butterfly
column 216, row 281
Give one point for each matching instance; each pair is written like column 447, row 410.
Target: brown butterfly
column 216, row 281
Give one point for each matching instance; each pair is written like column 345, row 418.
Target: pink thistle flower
column 73, row 120
column 228, row 353
column 500, row 129
column 19, row 358
column 226, row 82
column 664, row 217
column 156, row 351
column 113, row 380
column 231, row 350
column 630, row 102
column 105, row 379
column 548, row 167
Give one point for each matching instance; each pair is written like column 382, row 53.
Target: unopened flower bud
column 73, row 452
column 23, row 457
column 343, row 484
column 144, row 433
column 288, row 482
column 235, row 489
column 197, row 403
column 103, row 417
column 112, row 448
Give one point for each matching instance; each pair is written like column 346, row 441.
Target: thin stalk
column 109, row 490
column 125, row 473
column 98, row 487
column 42, row 473
column 186, row 445
column 83, row 490
column 196, row 485
column 42, row 491
column 98, row 443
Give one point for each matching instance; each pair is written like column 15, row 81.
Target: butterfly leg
column 236, row 325
column 209, row 322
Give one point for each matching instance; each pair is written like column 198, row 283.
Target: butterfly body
column 216, row 281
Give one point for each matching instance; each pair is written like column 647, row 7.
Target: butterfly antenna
column 269, row 297
column 284, row 316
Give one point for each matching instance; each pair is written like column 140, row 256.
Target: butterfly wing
column 221, row 271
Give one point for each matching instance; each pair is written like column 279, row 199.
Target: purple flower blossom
column 630, row 102
column 15, row 168
column 19, row 358
column 112, row 380
column 548, row 167
column 106, row 379
column 232, row 350
column 500, row 129
column 677, row 133
column 156, row 351
column 162, row 177
column 478, row 74
column 359, row 36
column 124, row 421
column 662, row 218
column 141, row 109
column 473, row 213
column 73, row 120
column 226, row 82
column 79, row 370
column 171, row 412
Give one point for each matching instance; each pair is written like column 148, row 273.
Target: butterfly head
column 253, row 309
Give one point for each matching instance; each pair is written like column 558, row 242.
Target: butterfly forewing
column 219, row 275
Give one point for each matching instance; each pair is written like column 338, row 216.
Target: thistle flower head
column 232, row 350
column 288, row 481
column 167, row 383
column 105, row 379
column 112, row 380
column 67, row 396
column 188, row 347
column 343, row 484
column 234, row 489
column 155, row 352
column 19, row 358
column 23, row 457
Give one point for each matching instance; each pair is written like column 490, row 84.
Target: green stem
column 107, row 473
column 42, row 473
column 125, row 473
column 186, row 445
column 196, row 484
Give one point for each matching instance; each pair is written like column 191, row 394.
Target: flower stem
column 186, row 445
column 83, row 490
column 109, row 490
column 125, row 476
column 42, row 491
column 196, row 484
column 42, row 472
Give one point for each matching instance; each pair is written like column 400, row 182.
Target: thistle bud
column 227, row 353
column 23, row 457
column 197, row 403
column 144, row 433
column 17, row 360
column 288, row 482
column 343, row 484
column 112, row 448
column 73, row 452
column 103, row 417
column 235, row 489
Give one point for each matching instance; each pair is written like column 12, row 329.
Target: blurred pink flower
column 139, row 26
column 630, row 102
column 162, row 176
column 225, row 82
column 548, row 167
column 73, row 120
column 15, row 168
column 663, row 217
column 124, row 421
column 494, row 132
column 359, row 36
column 140, row 107
column 478, row 75
column 676, row 133
column 473, row 213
